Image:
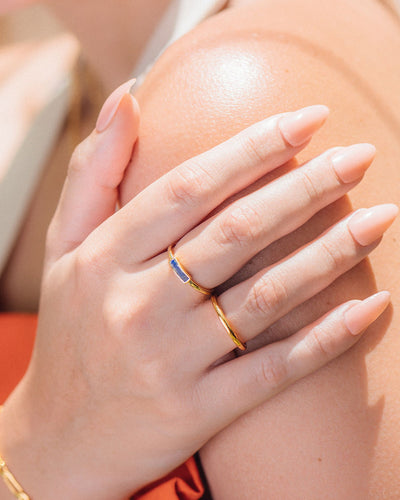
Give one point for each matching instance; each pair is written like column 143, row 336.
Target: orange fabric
column 17, row 335
column 183, row 483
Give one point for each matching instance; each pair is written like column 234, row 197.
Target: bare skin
column 124, row 31
column 244, row 66
column 334, row 434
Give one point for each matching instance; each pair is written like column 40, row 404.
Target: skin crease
column 262, row 74
column 334, row 434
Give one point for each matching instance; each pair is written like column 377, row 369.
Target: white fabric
column 19, row 182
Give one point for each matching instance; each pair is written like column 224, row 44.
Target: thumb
column 95, row 171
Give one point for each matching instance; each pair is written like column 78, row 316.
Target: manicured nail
column 351, row 163
column 299, row 126
column 369, row 224
column 111, row 105
column 360, row 316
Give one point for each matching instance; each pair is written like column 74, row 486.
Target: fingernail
column 369, row 224
column 299, row 126
column 351, row 163
column 111, row 105
column 360, row 316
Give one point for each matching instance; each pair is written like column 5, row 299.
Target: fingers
column 179, row 200
column 244, row 383
column 266, row 297
column 217, row 249
column 253, row 305
column 96, row 169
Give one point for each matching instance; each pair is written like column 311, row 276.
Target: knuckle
column 93, row 260
column 153, row 376
column 332, row 254
column 321, row 343
column 266, row 296
column 117, row 315
column 252, row 148
column 272, row 371
column 240, row 226
column 190, row 184
column 125, row 323
column 311, row 187
column 150, row 373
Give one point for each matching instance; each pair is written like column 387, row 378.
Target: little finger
column 242, row 384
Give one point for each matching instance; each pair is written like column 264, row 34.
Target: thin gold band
column 242, row 345
column 10, row 481
column 183, row 275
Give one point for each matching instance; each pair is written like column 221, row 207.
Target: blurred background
column 37, row 61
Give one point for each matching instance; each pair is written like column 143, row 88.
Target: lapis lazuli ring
column 183, row 275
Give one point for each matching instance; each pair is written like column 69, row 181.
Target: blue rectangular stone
column 179, row 271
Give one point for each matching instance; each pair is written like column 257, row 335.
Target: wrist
column 17, row 449
column 10, row 481
column 28, row 451
column 10, row 486
column 46, row 464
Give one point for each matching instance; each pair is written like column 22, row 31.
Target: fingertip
column 298, row 127
column 112, row 148
column 368, row 225
column 111, row 105
column 361, row 315
column 129, row 112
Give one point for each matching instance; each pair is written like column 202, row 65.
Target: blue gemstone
column 179, row 271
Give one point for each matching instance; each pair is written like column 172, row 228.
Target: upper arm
column 333, row 434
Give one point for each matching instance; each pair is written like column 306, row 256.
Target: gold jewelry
column 10, row 481
column 183, row 275
column 242, row 345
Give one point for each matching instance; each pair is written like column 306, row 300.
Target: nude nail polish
column 369, row 224
column 299, row 126
column 351, row 162
column 361, row 315
column 111, row 105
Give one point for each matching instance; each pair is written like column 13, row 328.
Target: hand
column 127, row 379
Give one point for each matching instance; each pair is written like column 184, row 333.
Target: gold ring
column 183, row 275
column 227, row 326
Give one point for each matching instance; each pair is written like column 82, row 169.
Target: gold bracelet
column 10, row 481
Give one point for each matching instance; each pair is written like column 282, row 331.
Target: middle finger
column 221, row 246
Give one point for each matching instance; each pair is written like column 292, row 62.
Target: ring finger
column 253, row 305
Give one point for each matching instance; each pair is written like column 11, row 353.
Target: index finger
column 167, row 209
